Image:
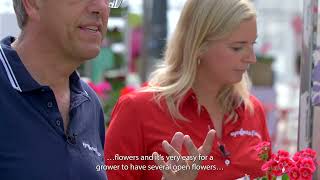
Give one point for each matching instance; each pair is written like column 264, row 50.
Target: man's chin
column 90, row 53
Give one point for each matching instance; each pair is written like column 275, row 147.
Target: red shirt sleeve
column 123, row 144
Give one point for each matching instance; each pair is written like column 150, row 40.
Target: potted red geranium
column 300, row 166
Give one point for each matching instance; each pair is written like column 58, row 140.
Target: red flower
column 300, row 167
column 264, row 150
column 307, row 163
column 309, row 153
column 267, row 166
column 296, row 156
column 285, row 163
column 276, row 169
column 305, row 173
column 263, row 147
column 282, row 153
column 294, row 173
column 275, row 157
column 273, row 167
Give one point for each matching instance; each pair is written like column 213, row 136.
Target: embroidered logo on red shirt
column 242, row 132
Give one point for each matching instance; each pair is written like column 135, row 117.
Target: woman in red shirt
column 201, row 85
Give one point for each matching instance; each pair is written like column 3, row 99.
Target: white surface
column 8, row 22
column 303, row 121
column 6, row 6
column 8, row 25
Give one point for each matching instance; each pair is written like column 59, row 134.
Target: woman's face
column 227, row 59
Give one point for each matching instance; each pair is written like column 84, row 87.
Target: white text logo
column 94, row 149
column 242, row 132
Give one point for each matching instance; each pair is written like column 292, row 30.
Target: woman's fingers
column 206, row 147
column 169, row 149
column 191, row 149
column 176, row 160
column 177, row 141
column 165, row 171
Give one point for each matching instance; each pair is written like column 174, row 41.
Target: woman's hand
column 174, row 150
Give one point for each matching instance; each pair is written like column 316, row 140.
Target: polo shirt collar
column 190, row 99
column 19, row 77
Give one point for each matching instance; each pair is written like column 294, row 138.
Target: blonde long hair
column 200, row 21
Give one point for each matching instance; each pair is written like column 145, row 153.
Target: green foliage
column 117, row 84
column 118, row 12
column 134, row 20
column 285, row 177
column 265, row 59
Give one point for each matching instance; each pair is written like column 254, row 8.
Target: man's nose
column 98, row 7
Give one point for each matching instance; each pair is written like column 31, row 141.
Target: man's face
column 74, row 28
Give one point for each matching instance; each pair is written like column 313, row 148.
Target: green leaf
column 285, row 177
column 264, row 156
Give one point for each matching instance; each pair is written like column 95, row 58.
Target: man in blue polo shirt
column 51, row 122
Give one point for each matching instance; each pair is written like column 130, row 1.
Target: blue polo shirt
column 33, row 145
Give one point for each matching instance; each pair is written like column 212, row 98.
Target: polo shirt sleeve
column 124, row 141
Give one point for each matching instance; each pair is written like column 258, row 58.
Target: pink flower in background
column 93, row 86
column 102, row 89
column 105, row 86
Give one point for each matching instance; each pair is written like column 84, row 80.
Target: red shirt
column 138, row 127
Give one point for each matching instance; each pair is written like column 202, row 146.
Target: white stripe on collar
column 10, row 74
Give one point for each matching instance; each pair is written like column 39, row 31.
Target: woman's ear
column 201, row 54
column 202, row 50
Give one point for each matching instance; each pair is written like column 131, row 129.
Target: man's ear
column 32, row 9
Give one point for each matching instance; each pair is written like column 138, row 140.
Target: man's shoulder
column 6, row 41
column 4, row 60
column 91, row 93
